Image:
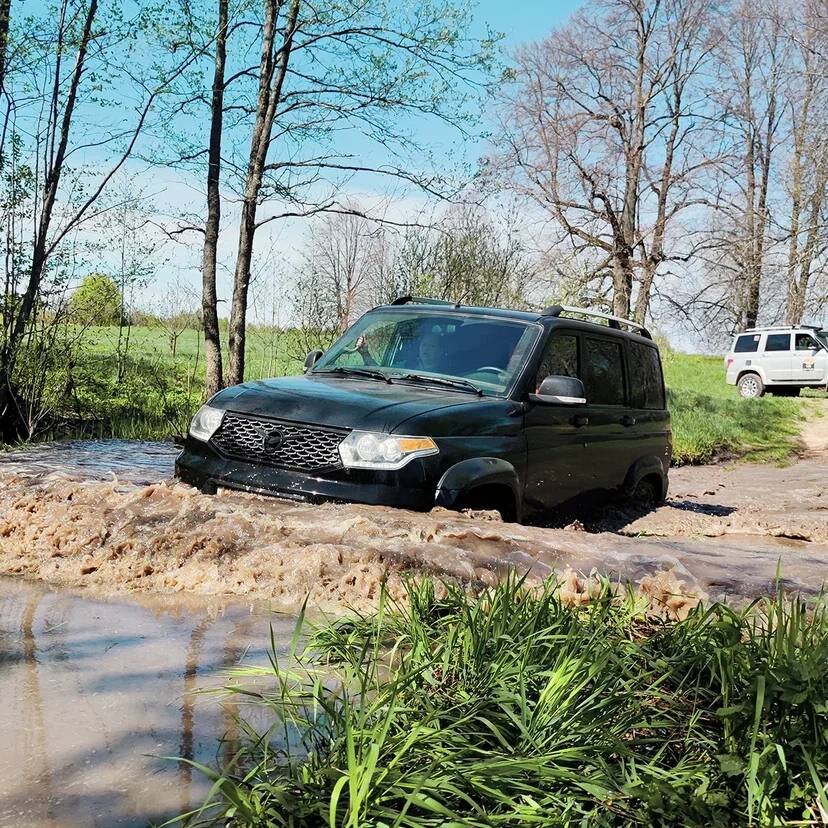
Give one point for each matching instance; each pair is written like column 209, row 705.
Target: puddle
column 95, row 691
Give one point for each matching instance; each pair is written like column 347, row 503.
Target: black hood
column 338, row 402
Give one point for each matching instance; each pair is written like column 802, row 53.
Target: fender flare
column 463, row 477
column 644, row 466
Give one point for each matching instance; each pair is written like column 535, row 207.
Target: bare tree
column 807, row 105
column 753, row 57
column 606, row 133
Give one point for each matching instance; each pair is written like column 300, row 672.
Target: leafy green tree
column 97, row 301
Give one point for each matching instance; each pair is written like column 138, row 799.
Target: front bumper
column 412, row 487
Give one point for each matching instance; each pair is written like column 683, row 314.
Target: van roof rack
column 781, row 328
column 422, row 300
column 613, row 321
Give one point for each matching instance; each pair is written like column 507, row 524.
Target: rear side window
column 646, row 382
column 778, row 342
column 559, row 359
column 603, row 372
column 746, row 344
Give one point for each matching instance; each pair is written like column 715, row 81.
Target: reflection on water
column 95, row 692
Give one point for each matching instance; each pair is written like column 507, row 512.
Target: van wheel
column 751, row 385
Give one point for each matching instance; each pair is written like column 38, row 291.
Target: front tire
column 751, row 385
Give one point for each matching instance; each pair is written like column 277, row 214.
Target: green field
column 157, row 392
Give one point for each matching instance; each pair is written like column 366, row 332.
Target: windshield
column 471, row 353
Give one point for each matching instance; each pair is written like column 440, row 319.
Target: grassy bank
column 511, row 709
column 153, row 388
column 711, row 421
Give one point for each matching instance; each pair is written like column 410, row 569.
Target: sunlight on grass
column 711, row 421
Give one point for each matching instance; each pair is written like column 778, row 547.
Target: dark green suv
column 425, row 403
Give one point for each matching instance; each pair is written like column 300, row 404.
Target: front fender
column 466, row 475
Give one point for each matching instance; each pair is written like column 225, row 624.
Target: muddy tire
column 646, row 494
column 751, row 385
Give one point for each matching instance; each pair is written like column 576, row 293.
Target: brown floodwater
column 95, row 692
column 107, row 516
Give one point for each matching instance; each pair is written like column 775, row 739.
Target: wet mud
column 108, row 517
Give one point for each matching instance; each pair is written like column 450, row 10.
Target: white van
column 778, row 360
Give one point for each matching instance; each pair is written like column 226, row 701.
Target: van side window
column 603, row 372
column 778, row 342
column 559, row 359
column 646, row 382
column 746, row 344
column 805, row 342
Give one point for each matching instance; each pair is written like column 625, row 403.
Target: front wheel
column 751, row 385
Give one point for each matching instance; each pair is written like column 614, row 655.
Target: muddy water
column 94, row 692
column 108, row 517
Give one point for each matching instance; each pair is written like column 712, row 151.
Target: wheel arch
column 480, row 474
column 646, row 468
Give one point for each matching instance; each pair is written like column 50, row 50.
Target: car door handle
column 627, row 421
column 580, row 420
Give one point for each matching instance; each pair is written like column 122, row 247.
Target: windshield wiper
column 349, row 371
column 465, row 385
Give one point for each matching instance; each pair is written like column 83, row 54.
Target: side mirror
column 311, row 360
column 557, row 390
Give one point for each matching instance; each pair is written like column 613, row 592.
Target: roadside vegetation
column 513, row 709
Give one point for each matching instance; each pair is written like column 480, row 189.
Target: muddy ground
column 107, row 516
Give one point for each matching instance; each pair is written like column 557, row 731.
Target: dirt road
column 106, row 516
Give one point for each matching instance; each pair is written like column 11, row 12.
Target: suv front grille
column 279, row 443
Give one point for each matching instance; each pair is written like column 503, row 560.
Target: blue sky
column 523, row 20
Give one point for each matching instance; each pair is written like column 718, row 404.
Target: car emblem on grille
column 272, row 441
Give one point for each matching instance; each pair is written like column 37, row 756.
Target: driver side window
column 805, row 342
column 560, row 358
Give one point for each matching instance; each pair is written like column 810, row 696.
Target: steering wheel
column 490, row 369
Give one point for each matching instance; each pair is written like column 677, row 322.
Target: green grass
column 511, row 709
column 158, row 392
column 711, row 421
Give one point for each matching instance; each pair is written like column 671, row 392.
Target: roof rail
column 421, row 300
column 613, row 321
column 781, row 328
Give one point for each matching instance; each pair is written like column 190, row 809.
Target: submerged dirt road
column 107, row 516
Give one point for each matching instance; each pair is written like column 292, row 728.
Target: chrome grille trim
column 303, row 447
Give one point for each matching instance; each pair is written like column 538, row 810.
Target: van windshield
column 477, row 353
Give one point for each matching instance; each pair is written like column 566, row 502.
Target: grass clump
column 512, row 709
